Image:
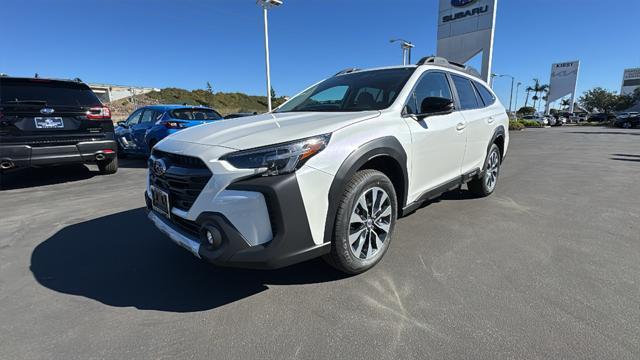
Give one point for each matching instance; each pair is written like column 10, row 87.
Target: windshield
column 46, row 92
column 195, row 114
column 360, row 91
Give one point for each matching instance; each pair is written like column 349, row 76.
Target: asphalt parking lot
column 548, row 267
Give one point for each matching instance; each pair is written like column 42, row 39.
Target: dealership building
column 108, row 93
column 630, row 81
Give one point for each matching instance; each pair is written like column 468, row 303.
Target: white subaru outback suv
column 328, row 172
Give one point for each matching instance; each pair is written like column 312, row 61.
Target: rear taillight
column 174, row 125
column 99, row 113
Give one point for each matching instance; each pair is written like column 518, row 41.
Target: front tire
column 485, row 184
column 364, row 222
column 108, row 166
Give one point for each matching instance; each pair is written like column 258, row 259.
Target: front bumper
column 292, row 241
column 82, row 152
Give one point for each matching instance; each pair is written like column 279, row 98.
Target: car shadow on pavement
column 605, row 132
column 122, row 260
column 625, row 159
column 132, row 162
column 32, row 177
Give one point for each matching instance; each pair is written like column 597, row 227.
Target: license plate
column 160, row 201
column 49, row 123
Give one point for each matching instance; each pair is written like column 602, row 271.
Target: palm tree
column 529, row 89
column 565, row 104
column 538, row 89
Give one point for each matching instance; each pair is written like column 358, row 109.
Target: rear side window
column 150, row 115
column 485, row 94
column 466, row 93
column 49, row 92
column 195, row 114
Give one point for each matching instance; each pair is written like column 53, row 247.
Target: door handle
column 461, row 126
column 491, row 119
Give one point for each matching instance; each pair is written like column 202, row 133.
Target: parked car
column 627, row 122
column 240, row 114
column 601, row 117
column 328, row 172
column 543, row 121
column 52, row 122
column 624, row 115
column 558, row 120
column 150, row 124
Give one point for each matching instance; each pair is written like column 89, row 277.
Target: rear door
column 479, row 120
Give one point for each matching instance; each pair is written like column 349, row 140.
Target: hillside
column 225, row 103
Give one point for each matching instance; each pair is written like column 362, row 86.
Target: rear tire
column 108, row 166
column 485, row 184
column 364, row 222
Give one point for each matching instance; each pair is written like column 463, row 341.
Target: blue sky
column 187, row 43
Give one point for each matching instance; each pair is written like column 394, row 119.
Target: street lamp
column 266, row 4
column 515, row 107
column 406, row 47
column 512, row 81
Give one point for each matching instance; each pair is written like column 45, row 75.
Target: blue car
column 150, row 124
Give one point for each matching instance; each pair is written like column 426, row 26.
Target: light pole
column 512, row 81
column 517, row 88
column 406, row 47
column 266, row 4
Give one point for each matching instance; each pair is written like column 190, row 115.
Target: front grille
column 180, row 160
column 184, row 178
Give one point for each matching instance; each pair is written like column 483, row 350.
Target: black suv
column 52, row 122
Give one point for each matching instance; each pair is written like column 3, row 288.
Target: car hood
column 271, row 128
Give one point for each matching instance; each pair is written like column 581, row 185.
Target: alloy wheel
column 370, row 224
column 493, row 167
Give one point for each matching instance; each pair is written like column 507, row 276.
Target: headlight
column 280, row 158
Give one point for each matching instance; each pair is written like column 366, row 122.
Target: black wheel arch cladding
column 387, row 146
column 498, row 133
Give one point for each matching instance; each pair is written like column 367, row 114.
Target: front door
column 438, row 142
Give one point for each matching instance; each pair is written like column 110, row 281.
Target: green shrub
column 515, row 125
column 530, row 123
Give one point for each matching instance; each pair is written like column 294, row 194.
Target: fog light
column 210, row 236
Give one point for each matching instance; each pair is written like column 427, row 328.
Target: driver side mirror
column 435, row 106
column 122, row 123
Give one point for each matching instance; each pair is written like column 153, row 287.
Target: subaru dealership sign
column 465, row 29
column 630, row 81
column 564, row 79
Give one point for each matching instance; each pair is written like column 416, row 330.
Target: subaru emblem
column 47, row 111
column 462, row 3
column 159, row 167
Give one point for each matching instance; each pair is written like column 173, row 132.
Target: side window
column 432, row 84
column 485, row 94
column 134, row 118
column 466, row 93
column 147, row 116
column 157, row 115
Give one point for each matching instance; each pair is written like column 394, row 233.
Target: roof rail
column 346, row 71
column 440, row 61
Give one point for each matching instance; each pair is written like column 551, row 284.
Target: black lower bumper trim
column 83, row 152
column 292, row 242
